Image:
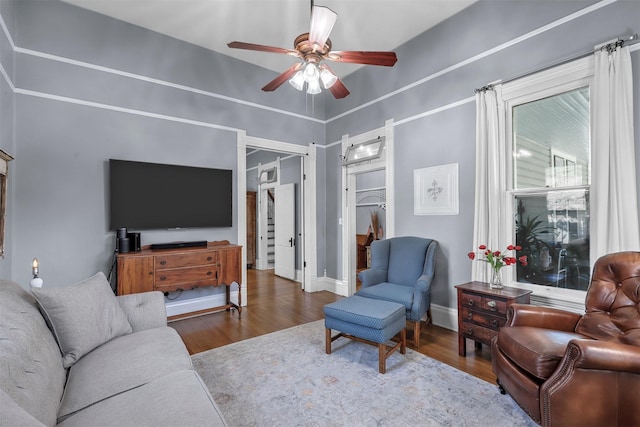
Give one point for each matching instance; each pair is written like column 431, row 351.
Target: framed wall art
column 435, row 190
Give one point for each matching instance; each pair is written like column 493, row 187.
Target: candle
column 34, row 267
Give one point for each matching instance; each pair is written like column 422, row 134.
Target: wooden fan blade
column 339, row 90
column 275, row 83
column 262, row 48
column 387, row 59
column 322, row 21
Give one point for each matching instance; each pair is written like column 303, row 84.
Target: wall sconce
column 369, row 150
column 36, row 282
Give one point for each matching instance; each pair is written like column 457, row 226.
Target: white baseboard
column 445, row 317
column 336, row 286
column 175, row 308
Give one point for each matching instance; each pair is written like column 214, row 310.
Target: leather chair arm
column 542, row 317
column 372, row 277
column 591, row 384
column 603, row 355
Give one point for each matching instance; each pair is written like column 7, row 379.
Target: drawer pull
column 470, row 331
column 471, row 302
column 163, row 262
column 495, row 323
column 470, row 316
column 492, row 305
column 209, row 258
column 209, row 273
column 163, row 277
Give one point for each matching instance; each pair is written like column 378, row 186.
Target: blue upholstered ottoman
column 367, row 320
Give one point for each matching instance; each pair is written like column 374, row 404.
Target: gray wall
column 448, row 136
column 70, row 119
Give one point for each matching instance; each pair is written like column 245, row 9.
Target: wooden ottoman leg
column 403, row 341
column 327, row 345
column 382, row 358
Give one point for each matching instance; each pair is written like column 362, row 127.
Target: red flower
column 523, row 260
column 471, row 255
column 482, row 247
column 518, row 248
column 510, row 247
column 496, row 254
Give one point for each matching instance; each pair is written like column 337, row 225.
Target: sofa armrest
column 542, row 317
column 145, row 310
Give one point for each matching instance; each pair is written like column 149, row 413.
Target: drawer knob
column 492, row 305
column 494, row 322
column 470, row 316
column 209, row 258
column 209, row 273
column 163, row 277
column 470, row 331
column 163, row 262
column 471, row 302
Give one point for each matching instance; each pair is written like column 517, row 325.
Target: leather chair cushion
column 535, row 350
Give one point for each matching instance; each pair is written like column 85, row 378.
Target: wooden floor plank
column 276, row 304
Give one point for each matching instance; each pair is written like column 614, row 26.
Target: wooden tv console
column 169, row 270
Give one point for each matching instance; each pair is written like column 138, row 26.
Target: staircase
column 271, row 231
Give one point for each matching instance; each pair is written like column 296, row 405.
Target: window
column 549, row 134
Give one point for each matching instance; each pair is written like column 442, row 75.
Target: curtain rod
column 621, row 41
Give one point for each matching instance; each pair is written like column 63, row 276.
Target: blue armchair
column 402, row 269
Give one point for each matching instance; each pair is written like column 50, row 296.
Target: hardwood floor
column 276, row 304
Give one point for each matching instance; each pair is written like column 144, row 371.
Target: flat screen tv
column 147, row 196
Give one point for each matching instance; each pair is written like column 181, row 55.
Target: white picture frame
column 435, row 190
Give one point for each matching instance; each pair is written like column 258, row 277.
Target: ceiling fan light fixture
column 297, row 80
column 327, row 77
column 311, row 73
column 313, row 88
column 322, row 21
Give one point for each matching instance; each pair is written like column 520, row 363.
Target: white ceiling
column 362, row 25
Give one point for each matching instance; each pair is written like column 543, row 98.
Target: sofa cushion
column 13, row 415
column 177, row 399
column 31, row 371
column 82, row 316
column 537, row 350
column 121, row 364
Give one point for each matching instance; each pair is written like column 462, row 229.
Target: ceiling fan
column 312, row 48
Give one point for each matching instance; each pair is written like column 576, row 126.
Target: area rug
column 286, row 379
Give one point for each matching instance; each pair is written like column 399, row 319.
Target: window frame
column 562, row 78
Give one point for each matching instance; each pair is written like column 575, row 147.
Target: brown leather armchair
column 567, row 369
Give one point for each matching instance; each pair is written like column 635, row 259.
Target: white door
column 285, row 229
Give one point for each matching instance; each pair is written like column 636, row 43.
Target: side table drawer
column 185, row 260
column 484, row 319
column 494, row 305
column 478, row 333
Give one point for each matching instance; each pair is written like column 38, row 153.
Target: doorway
column 349, row 199
column 308, row 227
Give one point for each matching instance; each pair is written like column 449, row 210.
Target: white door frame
column 309, row 261
column 349, row 245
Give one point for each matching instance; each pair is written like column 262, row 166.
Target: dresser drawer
column 191, row 277
column 485, row 303
column 478, row 333
column 185, row 260
column 484, row 319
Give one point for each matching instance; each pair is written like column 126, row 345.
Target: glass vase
column 496, row 279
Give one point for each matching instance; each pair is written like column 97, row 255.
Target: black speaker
column 134, row 242
column 123, row 245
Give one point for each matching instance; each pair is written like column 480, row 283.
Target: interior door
column 285, row 229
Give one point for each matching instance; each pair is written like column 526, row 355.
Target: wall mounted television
column 148, row 196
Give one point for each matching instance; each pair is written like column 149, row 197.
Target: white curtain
column 487, row 223
column 614, row 204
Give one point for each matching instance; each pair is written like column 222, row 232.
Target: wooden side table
column 482, row 311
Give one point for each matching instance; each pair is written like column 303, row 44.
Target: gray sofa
column 80, row 356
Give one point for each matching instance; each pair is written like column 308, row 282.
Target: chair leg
column 416, row 334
